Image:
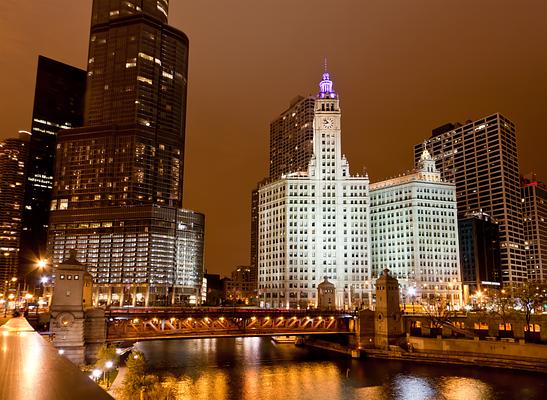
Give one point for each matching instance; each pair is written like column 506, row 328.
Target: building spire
column 325, row 85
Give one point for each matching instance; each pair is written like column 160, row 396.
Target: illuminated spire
column 325, row 85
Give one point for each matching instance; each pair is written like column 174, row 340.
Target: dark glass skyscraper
column 58, row 104
column 479, row 252
column 118, row 181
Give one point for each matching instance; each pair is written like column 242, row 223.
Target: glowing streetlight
column 41, row 263
column 96, row 373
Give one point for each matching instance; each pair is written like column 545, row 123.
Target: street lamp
column 96, row 373
column 107, row 366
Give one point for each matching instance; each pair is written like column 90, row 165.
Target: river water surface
column 255, row 368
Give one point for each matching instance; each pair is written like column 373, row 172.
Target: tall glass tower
column 58, row 104
column 118, row 183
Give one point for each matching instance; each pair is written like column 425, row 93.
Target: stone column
column 133, row 296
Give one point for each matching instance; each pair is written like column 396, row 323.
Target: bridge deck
column 204, row 322
column 31, row 368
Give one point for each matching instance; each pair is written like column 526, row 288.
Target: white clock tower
column 315, row 225
column 328, row 162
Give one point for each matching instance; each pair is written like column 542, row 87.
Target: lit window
column 145, row 80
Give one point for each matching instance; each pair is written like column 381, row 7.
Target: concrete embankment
column 330, row 346
column 529, row 357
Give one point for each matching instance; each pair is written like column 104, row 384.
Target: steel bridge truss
column 156, row 324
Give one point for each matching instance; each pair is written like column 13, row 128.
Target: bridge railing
column 131, row 312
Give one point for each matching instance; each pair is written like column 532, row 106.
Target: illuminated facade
column 118, row 182
column 315, row 224
column 58, row 104
column 414, row 231
column 291, row 148
column 480, row 157
column 291, row 138
column 534, row 208
column 13, row 158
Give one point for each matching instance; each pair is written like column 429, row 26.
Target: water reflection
column 255, row 368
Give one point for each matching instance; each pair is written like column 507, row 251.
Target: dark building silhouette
column 58, row 104
column 13, row 158
column 479, row 252
column 480, row 157
column 118, row 182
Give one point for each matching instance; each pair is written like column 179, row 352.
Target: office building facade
column 58, row 104
column 314, row 224
column 291, row 148
column 13, row 159
column 534, row 205
column 120, row 177
column 414, row 234
column 480, row 157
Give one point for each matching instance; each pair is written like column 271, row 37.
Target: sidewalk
column 118, row 382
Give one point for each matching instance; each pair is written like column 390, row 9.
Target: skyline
column 380, row 98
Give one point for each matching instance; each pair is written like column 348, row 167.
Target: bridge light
column 253, row 318
column 281, row 318
column 135, row 320
column 266, row 318
column 319, row 318
column 294, row 317
column 172, row 319
column 189, row 319
column 221, row 319
column 331, row 317
column 154, row 320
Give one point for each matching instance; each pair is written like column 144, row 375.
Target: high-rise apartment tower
column 13, row 158
column 534, row 204
column 480, row 157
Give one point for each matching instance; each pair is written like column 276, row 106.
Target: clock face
column 328, row 123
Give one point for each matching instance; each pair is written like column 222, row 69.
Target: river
column 255, row 368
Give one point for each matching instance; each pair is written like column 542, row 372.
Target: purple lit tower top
column 325, row 86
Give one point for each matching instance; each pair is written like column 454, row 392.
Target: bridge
column 162, row 323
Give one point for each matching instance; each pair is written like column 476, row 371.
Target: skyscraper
column 315, row 223
column 13, row 158
column 118, row 182
column 291, row 148
column 480, row 157
column 534, row 204
column 58, row 104
column 414, row 233
column 291, row 138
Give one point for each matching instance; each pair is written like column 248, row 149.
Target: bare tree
column 501, row 304
column 531, row 297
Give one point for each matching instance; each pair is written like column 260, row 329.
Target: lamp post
column 108, row 365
